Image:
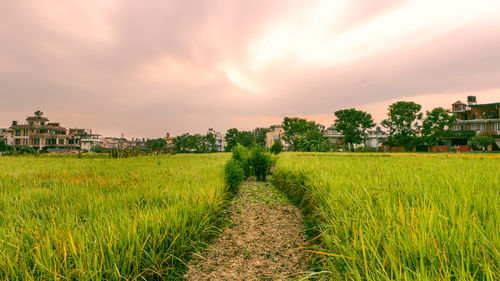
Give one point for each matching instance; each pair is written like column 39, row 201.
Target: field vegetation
column 98, row 218
column 398, row 216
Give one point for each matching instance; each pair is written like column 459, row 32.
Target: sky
column 145, row 68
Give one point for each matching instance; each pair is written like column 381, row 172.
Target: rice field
column 97, row 218
column 398, row 216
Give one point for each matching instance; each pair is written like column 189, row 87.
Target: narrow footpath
column 262, row 242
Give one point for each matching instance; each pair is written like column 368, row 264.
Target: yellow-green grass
column 399, row 216
column 97, row 218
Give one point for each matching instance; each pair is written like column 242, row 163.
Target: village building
column 474, row 118
column 6, row 136
column 220, row 140
column 40, row 134
column 375, row 138
column 277, row 132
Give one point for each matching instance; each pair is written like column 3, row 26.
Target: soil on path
column 263, row 241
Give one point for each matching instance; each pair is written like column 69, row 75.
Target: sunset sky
column 144, row 68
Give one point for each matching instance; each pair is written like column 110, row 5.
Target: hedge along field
column 98, row 218
column 399, row 216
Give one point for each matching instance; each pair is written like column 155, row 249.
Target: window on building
column 17, row 142
column 478, row 127
column 31, row 123
column 456, row 128
column 495, row 127
column 18, row 133
column 61, row 141
column 36, row 141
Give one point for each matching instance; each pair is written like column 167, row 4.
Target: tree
column 260, row 136
column 246, row 138
column 436, row 125
column 211, row 140
column 296, row 130
column 231, row 139
column 353, row 124
column 181, row 142
column 156, row 144
column 482, row 140
column 277, row 147
column 403, row 123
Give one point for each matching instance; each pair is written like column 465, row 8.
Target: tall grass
column 106, row 219
column 399, row 217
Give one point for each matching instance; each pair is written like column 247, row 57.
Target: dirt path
column 262, row 243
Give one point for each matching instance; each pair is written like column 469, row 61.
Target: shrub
column 260, row 162
column 241, row 154
column 482, row 141
column 277, row 147
column 233, row 174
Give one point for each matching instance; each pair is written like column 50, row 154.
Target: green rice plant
column 399, row 216
column 97, row 218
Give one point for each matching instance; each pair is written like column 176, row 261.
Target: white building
column 220, row 140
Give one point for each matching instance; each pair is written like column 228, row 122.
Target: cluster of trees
column 245, row 138
column 406, row 124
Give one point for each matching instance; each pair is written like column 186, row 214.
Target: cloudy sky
column 144, row 68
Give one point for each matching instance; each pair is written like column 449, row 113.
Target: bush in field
column 233, row 174
column 25, row 151
column 277, row 147
column 241, row 154
column 260, row 161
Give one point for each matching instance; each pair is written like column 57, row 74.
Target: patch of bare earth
column 262, row 243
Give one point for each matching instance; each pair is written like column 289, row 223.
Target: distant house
column 6, row 136
column 109, row 143
column 474, row 118
column 220, row 140
column 333, row 135
column 38, row 133
column 375, row 138
column 277, row 132
column 88, row 140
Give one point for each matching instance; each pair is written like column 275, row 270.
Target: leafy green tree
column 181, row 142
column 246, row 138
column 156, row 144
column 260, row 135
column 210, row 140
column 353, row 124
column 4, row 147
column 403, row 123
column 296, row 130
column 231, row 139
column 482, row 140
column 436, row 125
column 277, row 147
column 312, row 141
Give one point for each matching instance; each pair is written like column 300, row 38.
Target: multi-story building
column 474, row 118
column 6, row 136
column 220, row 140
column 38, row 133
column 277, row 132
column 88, row 140
column 375, row 138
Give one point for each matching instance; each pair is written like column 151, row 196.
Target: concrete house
column 475, row 118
